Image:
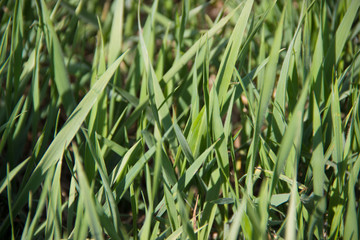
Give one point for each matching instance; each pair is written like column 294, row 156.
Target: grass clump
column 179, row 119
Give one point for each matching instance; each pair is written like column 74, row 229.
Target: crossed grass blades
column 179, row 119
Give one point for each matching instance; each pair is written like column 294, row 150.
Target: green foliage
column 179, row 119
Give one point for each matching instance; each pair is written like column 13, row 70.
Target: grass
column 179, row 119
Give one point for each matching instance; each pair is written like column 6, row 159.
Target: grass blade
column 265, row 95
column 64, row 137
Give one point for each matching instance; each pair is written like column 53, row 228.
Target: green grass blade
column 156, row 96
column 338, row 41
column 337, row 154
column 65, row 136
column 318, row 166
column 87, row 197
column 171, row 208
column 97, row 118
column 9, row 201
column 265, row 96
column 237, row 219
column 196, row 46
column 231, row 53
column 14, row 172
column 344, row 28
column 41, row 203
column 291, row 222
column 4, row 43
column 58, row 67
column 125, row 183
column 15, row 58
column 185, row 179
column 28, row 218
column 119, row 170
column 11, row 123
column 185, row 148
column 186, row 226
column 317, row 161
column 116, row 34
column 351, row 230
column 278, row 125
column 292, row 137
column 54, row 219
column 218, row 134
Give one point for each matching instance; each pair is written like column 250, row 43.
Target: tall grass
column 180, row 119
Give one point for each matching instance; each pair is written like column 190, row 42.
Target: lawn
column 235, row 119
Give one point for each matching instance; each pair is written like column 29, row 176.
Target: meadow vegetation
column 198, row 119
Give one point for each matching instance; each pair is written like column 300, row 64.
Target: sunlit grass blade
column 231, row 53
column 237, row 219
column 292, row 137
column 171, row 208
column 210, row 208
column 218, row 133
column 185, row 148
column 145, row 230
column 28, row 218
column 58, row 67
column 87, row 197
column 337, row 43
column 11, row 123
column 101, row 167
column 119, row 170
column 81, row 228
column 14, row 172
column 116, row 34
column 35, row 83
column 344, row 29
column 317, row 161
column 72, row 202
column 265, row 96
column 97, row 117
column 318, row 166
column 156, row 96
column 65, row 136
column 41, row 203
column 337, row 154
column 195, row 105
column 291, row 222
column 185, row 179
column 186, row 226
column 192, row 51
column 278, row 124
column 125, row 183
column 54, row 219
column 181, row 28
column 351, row 230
